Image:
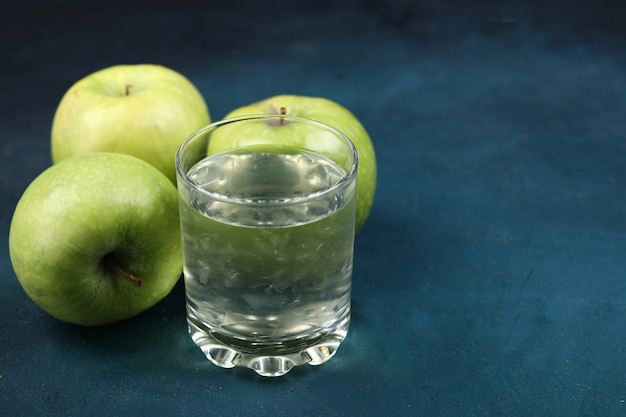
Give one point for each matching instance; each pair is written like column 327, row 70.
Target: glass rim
column 345, row 178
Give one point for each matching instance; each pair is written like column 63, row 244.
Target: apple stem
column 279, row 121
column 283, row 111
column 127, row 88
column 123, row 274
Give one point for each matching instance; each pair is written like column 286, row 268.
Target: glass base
column 269, row 358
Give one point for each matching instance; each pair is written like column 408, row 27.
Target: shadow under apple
column 158, row 336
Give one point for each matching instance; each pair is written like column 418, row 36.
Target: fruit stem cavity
column 111, row 261
column 127, row 88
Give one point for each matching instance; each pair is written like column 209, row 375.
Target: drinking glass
column 267, row 211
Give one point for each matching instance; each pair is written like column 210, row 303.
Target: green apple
column 141, row 110
column 95, row 239
column 332, row 114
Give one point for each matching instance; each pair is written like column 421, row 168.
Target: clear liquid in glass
column 268, row 258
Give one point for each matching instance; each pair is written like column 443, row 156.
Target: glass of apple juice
column 267, row 211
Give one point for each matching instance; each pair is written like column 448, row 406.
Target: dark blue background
column 490, row 277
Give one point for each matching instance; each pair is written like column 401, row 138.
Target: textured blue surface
column 490, row 278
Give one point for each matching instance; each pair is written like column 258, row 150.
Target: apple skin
column 79, row 219
column 337, row 116
column 142, row 110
